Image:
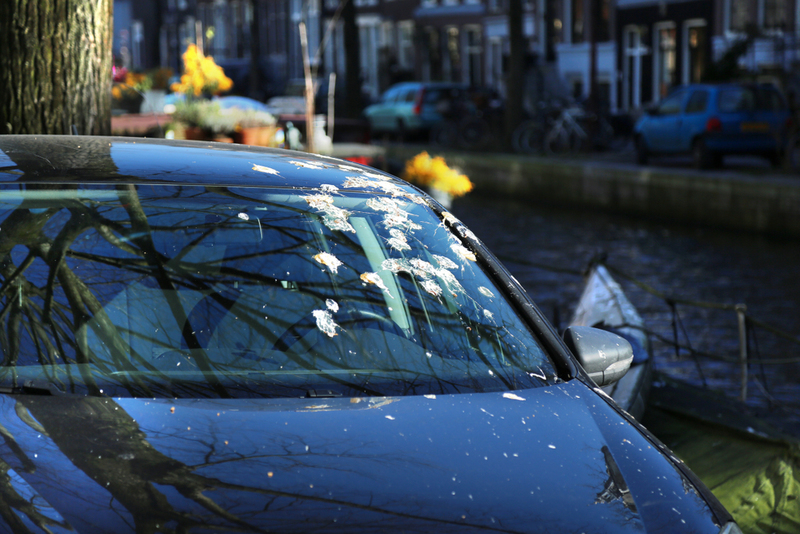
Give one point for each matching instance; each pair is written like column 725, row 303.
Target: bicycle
column 566, row 134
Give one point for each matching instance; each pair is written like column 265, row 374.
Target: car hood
column 553, row 459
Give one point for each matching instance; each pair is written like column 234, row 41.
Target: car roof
column 88, row 159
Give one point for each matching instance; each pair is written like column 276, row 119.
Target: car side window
column 698, row 102
column 410, row 95
column 671, row 105
column 770, row 100
column 736, row 99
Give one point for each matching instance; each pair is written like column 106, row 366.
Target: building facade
column 642, row 48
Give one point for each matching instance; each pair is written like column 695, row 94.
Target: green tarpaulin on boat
column 752, row 469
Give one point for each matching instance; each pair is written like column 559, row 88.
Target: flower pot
column 195, row 133
column 255, row 135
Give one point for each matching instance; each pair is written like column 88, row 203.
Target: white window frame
column 632, row 101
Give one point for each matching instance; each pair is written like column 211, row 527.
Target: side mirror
column 606, row 357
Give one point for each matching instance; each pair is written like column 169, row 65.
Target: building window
column 557, row 33
column 696, row 42
column 775, row 14
column 473, row 51
column 453, row 55
column 578, row 25
column 405, row 44
column 603, row 24
column 433, row 65
column 666, row 54
column 738, row 14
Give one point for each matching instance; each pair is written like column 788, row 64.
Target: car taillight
column 418, row 102
column 714, row 125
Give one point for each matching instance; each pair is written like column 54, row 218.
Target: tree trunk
column 352, row 52
column 55, row 69
column 516, row 66
column 255, row 91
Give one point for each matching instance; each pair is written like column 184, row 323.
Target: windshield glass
column 188, row 291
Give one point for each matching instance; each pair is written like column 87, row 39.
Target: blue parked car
column 710, row 121
column 412, row 107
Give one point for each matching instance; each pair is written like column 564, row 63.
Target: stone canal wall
column 724, row 199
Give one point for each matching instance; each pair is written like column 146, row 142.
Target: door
column 663, row 127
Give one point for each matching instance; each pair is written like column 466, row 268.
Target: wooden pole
column 309, row 93
column 741, row 311
column 331, row 102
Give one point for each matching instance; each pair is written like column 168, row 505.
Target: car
column 412, row 108
column 713, row 120
column 200, row 337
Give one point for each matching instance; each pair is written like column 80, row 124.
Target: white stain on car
column 329, row 260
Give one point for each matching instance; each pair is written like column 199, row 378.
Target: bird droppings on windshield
column 431, row 287
column 512, row 396
column 325, row 322
column 445, row 262
column 381, row 182
column 486, row 292
column 396, row 216
column 267, row 170
column 375, row 278
column 329, row 189
column 307, row 164
column 332, row 305
column 329, row 260
column 463, row 252
column 398, row 240
column 333, row 217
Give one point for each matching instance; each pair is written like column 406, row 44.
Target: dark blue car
column 200, row 338
column 710, row 121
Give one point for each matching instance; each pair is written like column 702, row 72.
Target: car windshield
column 190, row 291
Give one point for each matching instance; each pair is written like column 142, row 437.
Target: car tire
column 642, row 155
column 703, row 158
column 776, row 159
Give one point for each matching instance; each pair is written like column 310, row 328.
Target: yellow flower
column 201, row 74
column 434, row 172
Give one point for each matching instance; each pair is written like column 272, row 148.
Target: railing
column 746, row 327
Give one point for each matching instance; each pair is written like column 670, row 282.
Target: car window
column 698, row 101
column 181, row 291
column 736, row 99
column 671, row 105
column 411, row 95
column 770, row 99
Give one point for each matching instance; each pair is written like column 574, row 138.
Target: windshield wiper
column 32, row 387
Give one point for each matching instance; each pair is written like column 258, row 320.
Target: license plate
column 750, row 127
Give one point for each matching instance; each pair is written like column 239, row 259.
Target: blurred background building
column 643, row 48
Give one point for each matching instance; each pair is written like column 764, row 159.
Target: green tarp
column 752, row 469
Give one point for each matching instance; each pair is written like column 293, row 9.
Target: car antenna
column 74, row 130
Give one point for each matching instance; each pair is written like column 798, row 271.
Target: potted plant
column 254, row 127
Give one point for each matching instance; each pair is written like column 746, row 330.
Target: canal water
column 546, row 250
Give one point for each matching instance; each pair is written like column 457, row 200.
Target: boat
column 604, row 305
column 752, row 467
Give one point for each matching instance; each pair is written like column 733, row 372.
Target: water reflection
column 691, row 263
